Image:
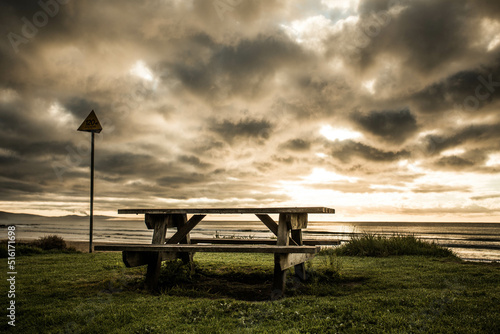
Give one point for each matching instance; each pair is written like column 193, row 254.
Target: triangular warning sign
column 91, row 124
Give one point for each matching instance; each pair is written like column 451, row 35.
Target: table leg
column 300, row 269
column 154, row 261
column 180, row 221
column 279, row 283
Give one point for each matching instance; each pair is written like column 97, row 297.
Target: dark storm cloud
column 29, row 149
column 259, row 130
column 127, row 164
column 175, row 181
column 426, row 34
column 390, row 125
column 454, row 162
column 80, row 107
column 348, row 149
column 19, row 187
column 243, row 69
column 463, row 92
column 193, row 160
column 297, row 144
column 488, row 8
column 484, row 135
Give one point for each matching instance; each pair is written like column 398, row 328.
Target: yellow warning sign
column 91, row 124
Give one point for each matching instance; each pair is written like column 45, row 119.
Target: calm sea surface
column 478, row 241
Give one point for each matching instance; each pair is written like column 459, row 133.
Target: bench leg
column 279, row 281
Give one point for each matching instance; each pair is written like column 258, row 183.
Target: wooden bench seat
column 209, row 248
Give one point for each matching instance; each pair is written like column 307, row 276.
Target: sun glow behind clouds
column 333, row 134
column 369, row 86
column 453, row 151
column 340, row 4
column 142, row 71
column 321, row 175
column 494, row 160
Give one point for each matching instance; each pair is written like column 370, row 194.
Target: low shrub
column 50, row 242
column 376, row 245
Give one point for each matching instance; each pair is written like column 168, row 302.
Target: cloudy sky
column 383, row 110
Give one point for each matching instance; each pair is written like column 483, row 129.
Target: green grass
column 95, row 293
column 380, row 246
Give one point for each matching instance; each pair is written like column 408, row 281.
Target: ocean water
column 473, row 241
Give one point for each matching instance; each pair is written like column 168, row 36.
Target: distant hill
column 15, row 217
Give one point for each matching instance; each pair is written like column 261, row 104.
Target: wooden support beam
column 185, row 229
column 294, row 260
column 269, row 222
column 271, row 225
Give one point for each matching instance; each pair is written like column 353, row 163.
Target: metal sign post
column 91, row 124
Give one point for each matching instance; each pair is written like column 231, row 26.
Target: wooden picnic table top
column 229, row 210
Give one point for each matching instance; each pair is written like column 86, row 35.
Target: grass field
column 95, row 293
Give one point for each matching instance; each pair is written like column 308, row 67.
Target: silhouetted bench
column 288, row 249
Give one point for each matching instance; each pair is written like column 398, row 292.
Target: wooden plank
column 229, row 210
column 294, row 260
column 298, row 220
column 261, row 241
column 152, row 219
column 185, row 229
column 209, row 248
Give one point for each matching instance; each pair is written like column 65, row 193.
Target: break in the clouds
column 380, row 109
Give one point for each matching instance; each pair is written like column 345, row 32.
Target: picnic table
column 289, row 248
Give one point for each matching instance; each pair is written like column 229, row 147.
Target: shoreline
column 83, row 246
